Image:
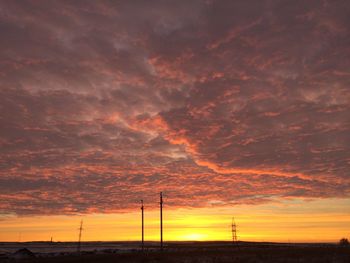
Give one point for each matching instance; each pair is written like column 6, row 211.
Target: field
column 198, row 252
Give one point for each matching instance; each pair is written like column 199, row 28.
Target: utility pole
column 161, row 221
column 234, row 231
column 142, row 224
column 80, row 230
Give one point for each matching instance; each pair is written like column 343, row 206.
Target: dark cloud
column 104, row 102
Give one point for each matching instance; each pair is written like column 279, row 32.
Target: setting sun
column 193, row 237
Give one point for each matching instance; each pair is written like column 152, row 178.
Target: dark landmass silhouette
column 189, row 251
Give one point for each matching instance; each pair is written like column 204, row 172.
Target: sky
column 231, row 108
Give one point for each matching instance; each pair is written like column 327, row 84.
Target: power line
column 79, row 240
column 142, row 224
column 161, row 220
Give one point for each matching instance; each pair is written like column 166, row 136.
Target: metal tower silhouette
column 80, row 230
column 161, row 220
column 142, row 225
column 234, row 231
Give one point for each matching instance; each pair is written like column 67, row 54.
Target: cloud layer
column 214, row 102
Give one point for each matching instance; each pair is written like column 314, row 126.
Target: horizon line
column 173, row 241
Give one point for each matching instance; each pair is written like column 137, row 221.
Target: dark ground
column 214, row 253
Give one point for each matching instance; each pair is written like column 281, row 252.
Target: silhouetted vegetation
column 344, row 242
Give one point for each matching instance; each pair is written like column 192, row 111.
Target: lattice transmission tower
column 234, row 231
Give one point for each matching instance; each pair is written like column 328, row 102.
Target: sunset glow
column 290, row 222
column 230, row 108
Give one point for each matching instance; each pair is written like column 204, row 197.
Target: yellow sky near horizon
column 325, row 220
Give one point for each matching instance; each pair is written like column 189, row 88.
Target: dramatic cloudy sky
column 216, row 103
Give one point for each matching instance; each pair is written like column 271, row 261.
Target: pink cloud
column 102, row 104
